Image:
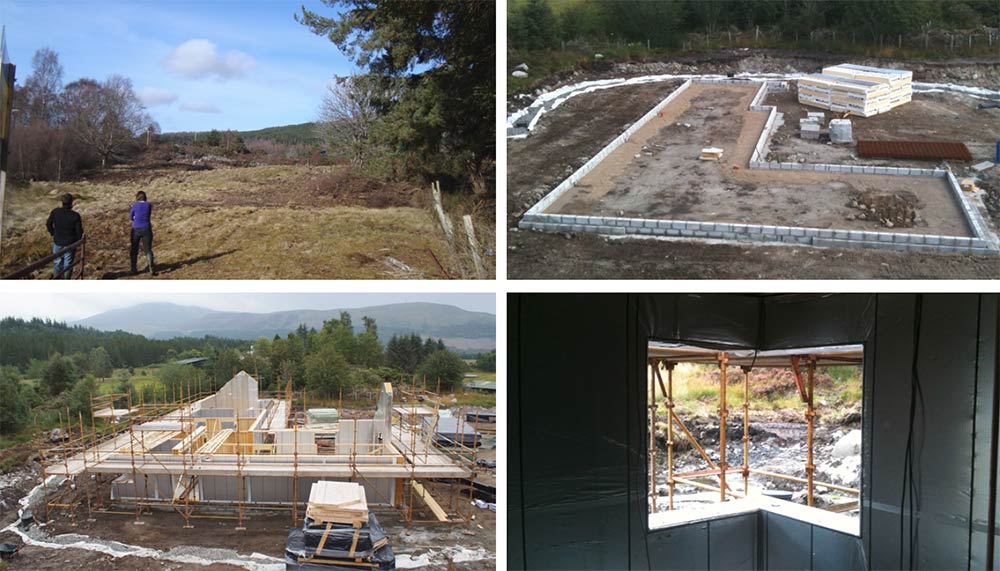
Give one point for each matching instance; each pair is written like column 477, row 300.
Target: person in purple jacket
column 142, row 231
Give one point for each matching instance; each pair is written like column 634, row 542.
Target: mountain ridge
column 459, row 328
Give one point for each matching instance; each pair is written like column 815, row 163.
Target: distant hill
column 460, row 329
column 302, row 133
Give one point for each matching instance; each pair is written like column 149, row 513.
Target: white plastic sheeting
column 455, row 554
column 190, row 555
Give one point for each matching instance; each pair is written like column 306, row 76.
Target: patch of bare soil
column 569, row 136
column 265, row 533
column 537, row 255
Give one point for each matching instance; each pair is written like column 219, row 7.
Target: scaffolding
column 237, row 451
column 666, row 356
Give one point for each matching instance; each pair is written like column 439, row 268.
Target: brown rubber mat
column 930, row 150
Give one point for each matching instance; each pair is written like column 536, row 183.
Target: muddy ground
column 776, row 445
column 569, row 135
column 264, row 534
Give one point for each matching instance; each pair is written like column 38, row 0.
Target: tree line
column 544, row 24
column 334, row 358
column 24, row 343
column 61, row 129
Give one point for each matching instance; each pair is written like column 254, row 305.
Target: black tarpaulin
column 579, row 480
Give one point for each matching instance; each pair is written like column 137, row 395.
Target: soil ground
column 265, row 534
column 263, row 222
column 657, row 175
column 572, row 133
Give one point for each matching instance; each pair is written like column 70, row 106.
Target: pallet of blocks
column 338, row 533
column 857, row 89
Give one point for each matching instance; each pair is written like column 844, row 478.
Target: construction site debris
column 809, row 129
column 485, row 505
column 980, row 167
column 968, row 185
column 918, row 150
column 840, row 131
column 711, row 154
column 890, row 209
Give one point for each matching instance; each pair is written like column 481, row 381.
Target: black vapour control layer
column 578, row 471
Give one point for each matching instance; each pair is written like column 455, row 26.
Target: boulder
column 519, row 73
column 848, row 445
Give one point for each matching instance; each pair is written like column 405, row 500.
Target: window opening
column 793, row 427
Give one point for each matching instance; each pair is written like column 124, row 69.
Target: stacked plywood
column 857, row 89
column 337, row 502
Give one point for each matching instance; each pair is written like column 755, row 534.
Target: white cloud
column 197, row 107
column 154, row 96
column 197, row 59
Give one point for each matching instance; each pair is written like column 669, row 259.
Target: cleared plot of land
column 266, row 222
column 657, row 175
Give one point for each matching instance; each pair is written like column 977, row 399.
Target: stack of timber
column 857, row 89
column 337, row 502
column 345, row 535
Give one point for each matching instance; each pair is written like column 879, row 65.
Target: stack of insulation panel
column 857, row 89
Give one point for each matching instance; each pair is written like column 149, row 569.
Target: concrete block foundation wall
column 537, row 219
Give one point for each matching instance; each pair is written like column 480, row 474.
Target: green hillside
column 300, row 134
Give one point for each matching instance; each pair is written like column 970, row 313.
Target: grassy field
column 696, row 390
column 264, row 222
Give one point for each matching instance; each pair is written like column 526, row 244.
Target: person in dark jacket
column 66, row 227
column 142, row 231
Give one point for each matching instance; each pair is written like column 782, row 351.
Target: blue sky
column 74, row 306
column 214, row 64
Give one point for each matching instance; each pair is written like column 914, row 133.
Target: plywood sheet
column 337, row 502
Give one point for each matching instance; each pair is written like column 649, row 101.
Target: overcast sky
column 197, row 65
column 73, row 306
